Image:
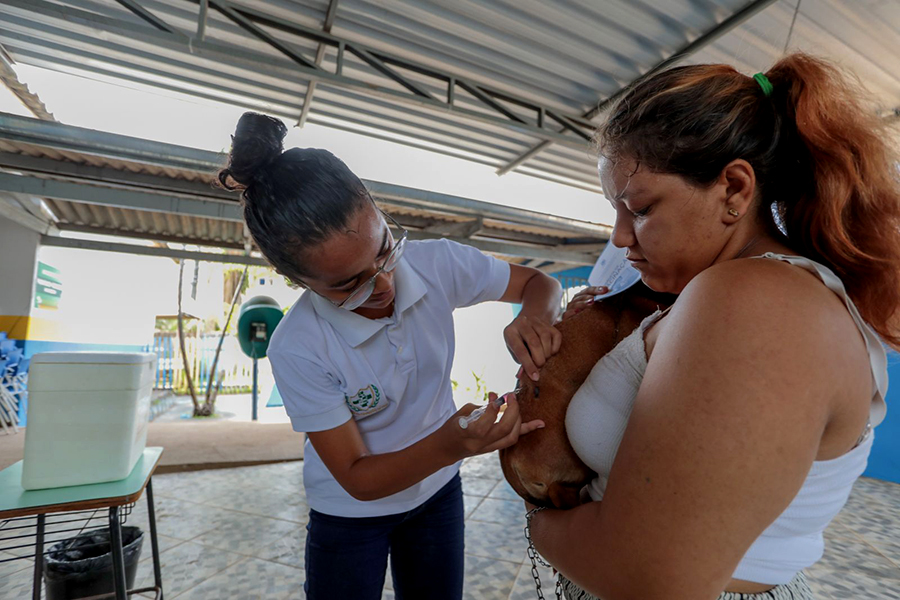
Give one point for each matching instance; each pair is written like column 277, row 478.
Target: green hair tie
column 764, row 83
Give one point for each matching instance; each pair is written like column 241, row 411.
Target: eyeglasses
column 363, row 292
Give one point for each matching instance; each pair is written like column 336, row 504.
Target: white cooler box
column 87, row 417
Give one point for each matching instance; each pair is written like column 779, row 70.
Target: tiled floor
column 238, row 533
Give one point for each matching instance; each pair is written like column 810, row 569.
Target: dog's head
column 542, row 467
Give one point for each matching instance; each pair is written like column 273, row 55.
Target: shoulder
column 430, row 251
column 757, row 289
column 761, row 318
column 436, row 260
column 299, row 323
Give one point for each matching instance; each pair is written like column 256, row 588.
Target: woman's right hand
column 486, row 434
column 583, row 299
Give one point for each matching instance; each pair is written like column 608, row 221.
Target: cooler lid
column 93, row 358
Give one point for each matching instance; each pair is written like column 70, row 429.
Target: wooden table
column 17, row 504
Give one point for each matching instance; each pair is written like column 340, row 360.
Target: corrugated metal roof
column 86, row 214
column 84, row 158
column 92, row 218
column 95, row 182
column 565, row 56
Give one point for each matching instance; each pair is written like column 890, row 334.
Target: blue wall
column 581, row 272
column 884, row 462
column 578, row 272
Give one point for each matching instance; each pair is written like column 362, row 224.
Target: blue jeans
column 347, row 557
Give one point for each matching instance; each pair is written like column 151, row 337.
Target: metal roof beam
column 569, row 125
column 100, row 143
column 148, row 16
column 61, row 242
column 465, row 206
column 749, row 10
column 325, row 116
column 509, row 249
column 27, row 9
column 461, row 229
column 11, row 209
column 10, row 78
column 434, row 225
column 486, row 99
column 151, row 235
column 120, row 147
column 320, row 56
column 43, row 54
column 86, row 173
column 120, row 197
column 482, row 93
column 247, row 25
column 202, row 17
column 104, row 176
column 374, row 62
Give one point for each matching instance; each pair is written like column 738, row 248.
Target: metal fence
column 201, row 351
column 238, row 368
column 571, row 286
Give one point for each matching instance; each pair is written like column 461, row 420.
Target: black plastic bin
column 82, row 566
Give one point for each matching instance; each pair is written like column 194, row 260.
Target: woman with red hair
column 727, row 432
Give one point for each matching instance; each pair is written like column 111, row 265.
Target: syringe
column 475, row 414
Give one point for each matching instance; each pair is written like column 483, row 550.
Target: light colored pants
column 797, row 589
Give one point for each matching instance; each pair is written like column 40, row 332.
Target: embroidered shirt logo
column 366, row 401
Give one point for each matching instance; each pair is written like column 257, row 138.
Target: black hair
column 292, row 200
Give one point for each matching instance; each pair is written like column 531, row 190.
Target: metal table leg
column 39, row 558
column 154, row 544
column 118, row 559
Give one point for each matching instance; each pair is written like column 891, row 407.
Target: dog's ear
column 564, row 496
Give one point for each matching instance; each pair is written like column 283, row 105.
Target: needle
column 475, row 414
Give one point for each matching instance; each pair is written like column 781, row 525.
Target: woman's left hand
column 531, row 342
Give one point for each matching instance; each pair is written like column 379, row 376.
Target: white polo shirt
column 392, row 375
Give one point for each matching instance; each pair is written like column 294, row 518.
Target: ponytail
column 847, row 215
column 827, row 177
column 292, row 200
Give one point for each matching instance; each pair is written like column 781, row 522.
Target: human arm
column 367, row 476
column 531, row 337
column 727, row 422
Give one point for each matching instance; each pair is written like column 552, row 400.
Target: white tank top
column 599, row 412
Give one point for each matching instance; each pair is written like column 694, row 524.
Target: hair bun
column 257, row 141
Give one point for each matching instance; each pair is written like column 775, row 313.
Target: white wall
column 18, row 252
column 107, row 297
column 480, row 349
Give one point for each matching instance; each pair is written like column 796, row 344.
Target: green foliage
column 476, row 392
column 167, row 325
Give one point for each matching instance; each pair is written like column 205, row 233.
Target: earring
column 733, row 212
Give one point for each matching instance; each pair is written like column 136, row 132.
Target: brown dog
column 542, row 467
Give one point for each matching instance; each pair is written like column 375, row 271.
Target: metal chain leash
column 536, row 558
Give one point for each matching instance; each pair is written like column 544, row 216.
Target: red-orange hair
column 827, row 174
